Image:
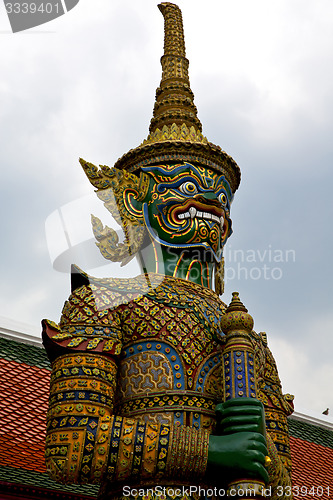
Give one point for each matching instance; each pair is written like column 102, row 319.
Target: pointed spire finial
column 236, row 317
column 175, row 132
column 174, row 43
column 174, row 97
column 236, row 304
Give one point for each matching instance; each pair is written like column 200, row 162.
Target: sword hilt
column 239, row 378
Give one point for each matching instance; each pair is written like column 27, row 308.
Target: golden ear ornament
column 108, row 241
column 117, row 188
column 219, row 277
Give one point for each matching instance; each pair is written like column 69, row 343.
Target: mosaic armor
column 138, row 367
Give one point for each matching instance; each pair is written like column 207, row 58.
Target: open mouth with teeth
column 192, row 223
column 197, row 210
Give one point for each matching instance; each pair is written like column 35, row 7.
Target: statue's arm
column 87, row 443
column 278, row 407
column 248, row 431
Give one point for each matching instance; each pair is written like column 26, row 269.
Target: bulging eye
column 188, row 188
column 223, row 199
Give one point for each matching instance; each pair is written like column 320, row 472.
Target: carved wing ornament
column 119, row 191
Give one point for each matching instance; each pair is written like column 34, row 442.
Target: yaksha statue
column 157, row 388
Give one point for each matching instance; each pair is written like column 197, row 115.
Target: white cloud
column 302, row 375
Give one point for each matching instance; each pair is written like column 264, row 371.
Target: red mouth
column 199, row 207
column 196, row 209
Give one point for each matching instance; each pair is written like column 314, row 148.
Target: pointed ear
column 124, row 195
column 124, row 200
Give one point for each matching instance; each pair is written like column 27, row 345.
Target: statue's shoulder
column 123, row 286
column 181, row 290
column 91, row 317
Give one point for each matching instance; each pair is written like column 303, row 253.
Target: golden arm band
column 280, row 480
column 86, row 443
column 79, row 416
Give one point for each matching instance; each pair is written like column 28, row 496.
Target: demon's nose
column 207, row 196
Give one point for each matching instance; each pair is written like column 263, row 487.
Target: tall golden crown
column 175, row 132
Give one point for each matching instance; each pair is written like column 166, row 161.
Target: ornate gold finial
column 236, row 316
column 236, row 304
column 174, row 99
column 175, row 132
column 174, row 43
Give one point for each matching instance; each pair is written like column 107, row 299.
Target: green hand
column 240, row 449
column 240, row 415
column 237, row 456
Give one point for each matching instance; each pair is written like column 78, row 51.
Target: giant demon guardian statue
column 154, row 381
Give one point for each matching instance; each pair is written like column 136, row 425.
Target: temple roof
column 312, row 465
column 25, row 374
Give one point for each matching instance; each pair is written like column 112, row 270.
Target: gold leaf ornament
column 117, row 189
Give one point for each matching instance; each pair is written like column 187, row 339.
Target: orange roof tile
column 312, row 473
column 23, row 406
column 24, row 388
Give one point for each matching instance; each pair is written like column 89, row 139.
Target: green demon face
column 187, row 206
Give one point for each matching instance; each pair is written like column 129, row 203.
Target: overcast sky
column 84, row 85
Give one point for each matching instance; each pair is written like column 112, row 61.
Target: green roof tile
column 311, row 433
column 37, row 479
column 24, row 353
